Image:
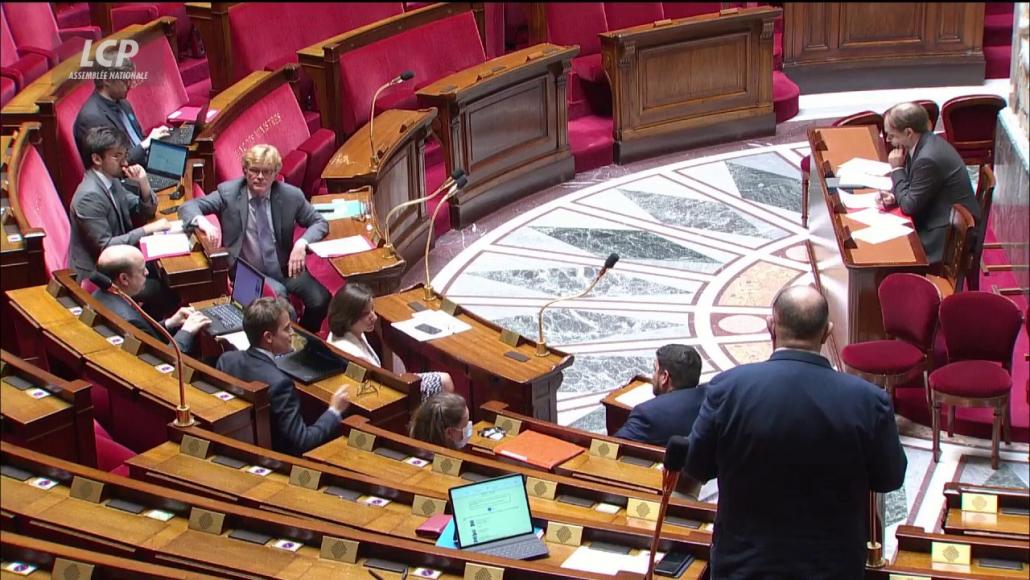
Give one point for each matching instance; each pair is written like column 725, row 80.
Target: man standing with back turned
column 797, row 448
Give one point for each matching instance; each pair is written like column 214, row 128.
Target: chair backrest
column 985, row 193
column 958, row 249
column 67, row 107
column 33, row 24
column 8, row 48
column 932, row 111
column 41, row 205
column 626, row 14
column 687, row 9
column 969, row 124
column 980, row 326
column 863, row 118
column 909, row 304
column 579, row 23
column 163, row 92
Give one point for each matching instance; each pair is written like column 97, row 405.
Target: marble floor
column 706, row 239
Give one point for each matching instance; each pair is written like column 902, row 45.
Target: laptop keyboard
column 182, row 135
column 515, row 548
column 226, row 314
column 157, row 182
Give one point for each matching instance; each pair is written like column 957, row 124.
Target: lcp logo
column 127, row 48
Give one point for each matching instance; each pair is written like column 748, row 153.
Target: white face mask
column 466, row 435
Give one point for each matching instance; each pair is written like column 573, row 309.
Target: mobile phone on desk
column 673, row 564
column 434, row 526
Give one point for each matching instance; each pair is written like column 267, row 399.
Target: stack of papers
column 641, row 394
column 875, row 217
column 340, row 209
column 858, row 200
column 431, row 324
column 860, row 172
column 879, row 234
column 341, row 247
column 164, row 246
column 610, row 563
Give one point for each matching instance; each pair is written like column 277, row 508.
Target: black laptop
column 166, row 164
column 247, row 285
column 492, row 517
column 184, row 134
column 312, row 363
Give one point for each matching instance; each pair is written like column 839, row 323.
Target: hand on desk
column 214, row 236
column 297, row 257
column 161, row 225
column 156, row 133
column 195, row 322
column 180, row 316
column 339, row 401
column 886, row 200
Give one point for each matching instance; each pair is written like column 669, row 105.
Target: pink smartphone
column 434, row 526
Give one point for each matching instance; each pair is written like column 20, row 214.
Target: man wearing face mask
column 677, row 401
column 266, row 322
column 797, row 447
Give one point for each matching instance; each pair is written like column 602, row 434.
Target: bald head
column 908, row 116
column 125, row 266
column 800, row 317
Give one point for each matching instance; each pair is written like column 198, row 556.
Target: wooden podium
column 847, row 46
column 683, row 83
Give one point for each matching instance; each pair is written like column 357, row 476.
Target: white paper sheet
column 854, row 179
column 875, row 217
column 174, row 227
column 867, row 166
column 237, row 339
column 880, row 234
column 441, row 319
column 638, row 395
column 340, row 246
column 858, row 200
column 164, row 245
column 608, row 563
column 423, row 334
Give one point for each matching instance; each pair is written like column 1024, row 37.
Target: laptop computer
column 247, row 285
column 184, row 134
column 166, row 164
column 492, row 517
column 312, row 363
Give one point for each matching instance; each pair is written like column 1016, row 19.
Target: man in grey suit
column 929, row 176
column 257, row 215
column 266, row 321
column 109, row 107
column 127, row 269
column 102, row 213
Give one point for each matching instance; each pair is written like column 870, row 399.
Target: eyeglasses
column 263, row 172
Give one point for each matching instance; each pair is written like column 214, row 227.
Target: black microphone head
column 457, row 174
column 612, row 258
column 407, row 75
column 101, row 280
column 676, row 453
column 460, row 182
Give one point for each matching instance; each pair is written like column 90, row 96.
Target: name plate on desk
column 304, row 477
column 87, row 316
column 206, row 521
column 541, row 488
column 564, row 534
column 53, row 287
column 605, row 449
column 132, row 345
column 980, row 502
column 643, row 509
column 194, row 447
column 355, row 372
column 427, row 506
column 482, row 572
column 449, row 306
column 71, row 569
column 510, row 426
column 950, row 553
column 339, row 549
column 510, row 338
column 446, row 465
column 86, row 489
column 360, row 440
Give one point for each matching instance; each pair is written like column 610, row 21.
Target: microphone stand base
column 183, row 417
column 428, row 294
column 541, row 348
column 874, row 555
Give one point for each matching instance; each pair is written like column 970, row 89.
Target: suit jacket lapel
column 112, row 194
column 243, row 206
column 277, row 211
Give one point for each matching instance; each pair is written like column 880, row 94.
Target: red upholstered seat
column 35, row 30
column 785, row 97
column 111, row 455
column 969, row 123
column 7, row 90
column 67, row 109
column 72, row 14
column 516, row 25
column 163, row 92
column 592, row 142
column 998, row 62
column 980, row 330
column 431, row 51
column 626, row 14
column 687, row 9
column 887, row 357
column 129, row 14
column 21, row 69
column 41, row 205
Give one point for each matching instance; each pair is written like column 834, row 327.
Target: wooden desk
column 666, row 93
column 629, row 463
column 846, row 46
column 505, row 122
column 204, row 544
column 914, row 555
column 549, row 492
column 1014, row 526
column 399, row 176
column 616, row 412
column 478, row 357
column 851, row 271
column 60, row 424
column 378, row 268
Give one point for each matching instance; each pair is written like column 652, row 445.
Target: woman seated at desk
column 351, row 315
column 442, row 420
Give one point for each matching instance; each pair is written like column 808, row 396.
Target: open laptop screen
column 492, row 509
column 166, row 159
column 247, row 284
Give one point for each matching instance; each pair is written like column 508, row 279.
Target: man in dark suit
column 127, row 269
column 266, row 322
column 677, row 368
column 797, row 447
column 257, row 216
column 102, row 213
column 929, row 176
column 108, row 107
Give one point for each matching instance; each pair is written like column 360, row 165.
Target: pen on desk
column 375, row 575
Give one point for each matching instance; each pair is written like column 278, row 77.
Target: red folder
column 538, row 449
column 188, row 115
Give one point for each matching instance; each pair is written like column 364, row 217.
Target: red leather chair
column 980, row 331
column 863, row 118
column 42, row 207
column 626, row 14
column 35, row 30
column 955, row 266
column 909, row 304
column 969, row 124
column 984, row 197
column 18, row 68
column 579, row 23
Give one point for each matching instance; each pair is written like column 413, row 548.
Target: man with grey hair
column 928, row 175
column 797, row 447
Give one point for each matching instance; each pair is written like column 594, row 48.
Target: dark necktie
column 265, row 239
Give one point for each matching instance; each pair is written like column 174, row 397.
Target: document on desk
column 237, row 339
column 441, row 319
column 867, row 166
column 164, row 246
column 858, row 200
column 421, row 330
column 641, row 394
column 341, row 247
column 609, row 563
column 855, row 179
column 881, row 233
column 875, row 217
column 174, row 227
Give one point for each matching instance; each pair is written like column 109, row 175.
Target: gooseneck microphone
column 404, row 76
column 459, row 183
column 183, row 417
column 675, row 458
column 541, row 345
column 456, row 175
